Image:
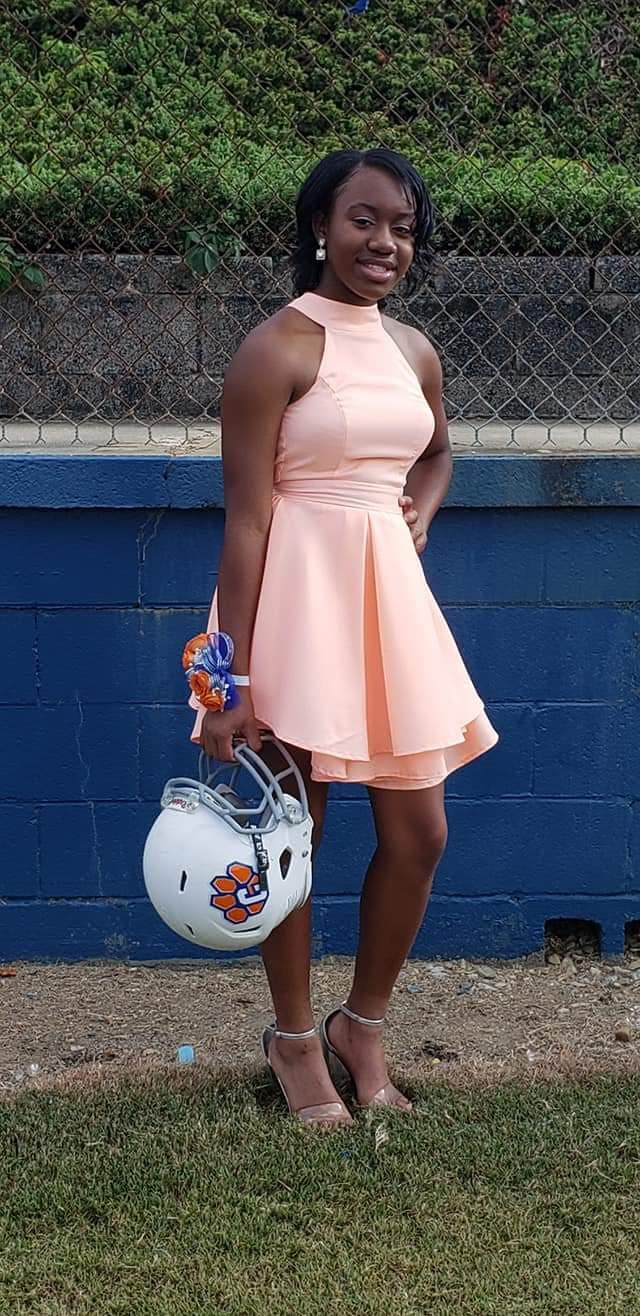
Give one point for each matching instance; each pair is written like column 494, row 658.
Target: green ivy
column 18, row 269
column 203, row 251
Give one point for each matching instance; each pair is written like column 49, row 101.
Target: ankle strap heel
column 324, row 1115
column 358, row 1017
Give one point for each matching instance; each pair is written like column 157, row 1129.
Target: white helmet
column 224, row 871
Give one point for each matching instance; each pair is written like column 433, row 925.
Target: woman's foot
column 301, row 1070
column 359, row 1047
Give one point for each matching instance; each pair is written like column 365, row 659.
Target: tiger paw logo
column 240, row 894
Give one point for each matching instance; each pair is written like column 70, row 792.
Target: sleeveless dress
column 351, row 657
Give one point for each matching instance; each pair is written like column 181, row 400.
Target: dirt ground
column 449, row 1019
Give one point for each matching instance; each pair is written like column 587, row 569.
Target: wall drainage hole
column 632, row 939
column 577, row 937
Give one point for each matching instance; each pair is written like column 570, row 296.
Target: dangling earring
column 320, row 251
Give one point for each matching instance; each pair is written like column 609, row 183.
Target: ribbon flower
column 206, row 660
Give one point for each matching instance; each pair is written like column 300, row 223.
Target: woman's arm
column 257, row 388
column 429, row 479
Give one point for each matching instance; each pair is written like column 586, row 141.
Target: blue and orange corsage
column 206, row 660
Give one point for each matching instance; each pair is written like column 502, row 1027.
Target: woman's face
column 369, row 237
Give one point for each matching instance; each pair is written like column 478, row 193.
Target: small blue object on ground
column 186, row 1055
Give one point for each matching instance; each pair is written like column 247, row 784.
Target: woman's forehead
column 377, row 191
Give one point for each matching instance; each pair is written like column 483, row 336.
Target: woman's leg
column 411, row 830
column 287, row 951
column 286, row 955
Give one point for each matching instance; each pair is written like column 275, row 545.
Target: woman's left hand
column 418, row 531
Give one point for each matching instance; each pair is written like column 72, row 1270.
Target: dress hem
column 386, row 782
column 404, row 783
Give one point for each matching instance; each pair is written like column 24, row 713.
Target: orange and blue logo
column 240, row 894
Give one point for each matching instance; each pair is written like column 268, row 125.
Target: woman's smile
column 378, row 271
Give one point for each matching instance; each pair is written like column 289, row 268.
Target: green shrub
column 125, row 125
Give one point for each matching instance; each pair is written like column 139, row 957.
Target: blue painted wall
column 108, row 564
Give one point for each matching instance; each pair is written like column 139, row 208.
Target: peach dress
column 351, row 657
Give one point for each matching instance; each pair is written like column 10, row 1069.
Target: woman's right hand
column 220, row 729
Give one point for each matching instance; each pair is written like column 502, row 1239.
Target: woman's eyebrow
column 367, row 206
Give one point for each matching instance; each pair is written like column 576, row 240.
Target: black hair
column 316, row 196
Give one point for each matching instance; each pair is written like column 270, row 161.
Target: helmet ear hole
column 183, row 880
column 285, row 862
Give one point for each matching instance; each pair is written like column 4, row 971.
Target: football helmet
column 223, row 870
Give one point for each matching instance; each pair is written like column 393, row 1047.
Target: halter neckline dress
column 351, row 657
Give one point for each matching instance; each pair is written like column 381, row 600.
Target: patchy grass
column 183, row 1194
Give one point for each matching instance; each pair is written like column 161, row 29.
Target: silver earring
column 320, row 251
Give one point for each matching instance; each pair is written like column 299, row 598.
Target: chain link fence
column 150, row 157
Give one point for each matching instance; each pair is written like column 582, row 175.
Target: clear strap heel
column 385, row 1096
column 326, row 1113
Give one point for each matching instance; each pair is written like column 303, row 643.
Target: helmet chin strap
column 262, row 858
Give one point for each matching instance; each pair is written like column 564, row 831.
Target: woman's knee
column 317, row 798
column 414, row 837
column 421, row 848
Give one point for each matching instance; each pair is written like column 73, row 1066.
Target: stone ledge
column 203, row 437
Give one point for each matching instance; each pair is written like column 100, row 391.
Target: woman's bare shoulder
column 278, row 334
column 410, row 334
column 287, row 322
column 418, row 349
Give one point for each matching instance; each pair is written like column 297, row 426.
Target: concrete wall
column 139, row 336
column 108, row 567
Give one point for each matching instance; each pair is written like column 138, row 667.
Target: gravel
column 482, row 1022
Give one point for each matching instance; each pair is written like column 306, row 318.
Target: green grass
column 191, row 1195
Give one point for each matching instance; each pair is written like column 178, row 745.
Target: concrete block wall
column 108, row 566
column 118, row 336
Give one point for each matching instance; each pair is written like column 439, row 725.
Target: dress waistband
column 342, row 493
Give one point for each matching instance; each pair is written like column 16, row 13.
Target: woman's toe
column 390, row 1096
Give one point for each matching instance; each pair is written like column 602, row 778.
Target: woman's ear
column 318, row 226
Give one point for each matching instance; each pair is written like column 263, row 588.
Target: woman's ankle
column 295, row 1024
column 371, row 1010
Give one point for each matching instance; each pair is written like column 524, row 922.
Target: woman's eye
column 401, row 229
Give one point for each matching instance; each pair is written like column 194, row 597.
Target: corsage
column 206, row 660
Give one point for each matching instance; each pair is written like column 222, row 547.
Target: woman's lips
column 376, row 272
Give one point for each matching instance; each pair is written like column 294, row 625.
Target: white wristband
column 240, row 680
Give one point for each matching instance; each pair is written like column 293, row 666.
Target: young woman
column 336, row 459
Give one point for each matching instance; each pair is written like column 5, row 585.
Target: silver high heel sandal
column 331, row 1112
column 385, row 1095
